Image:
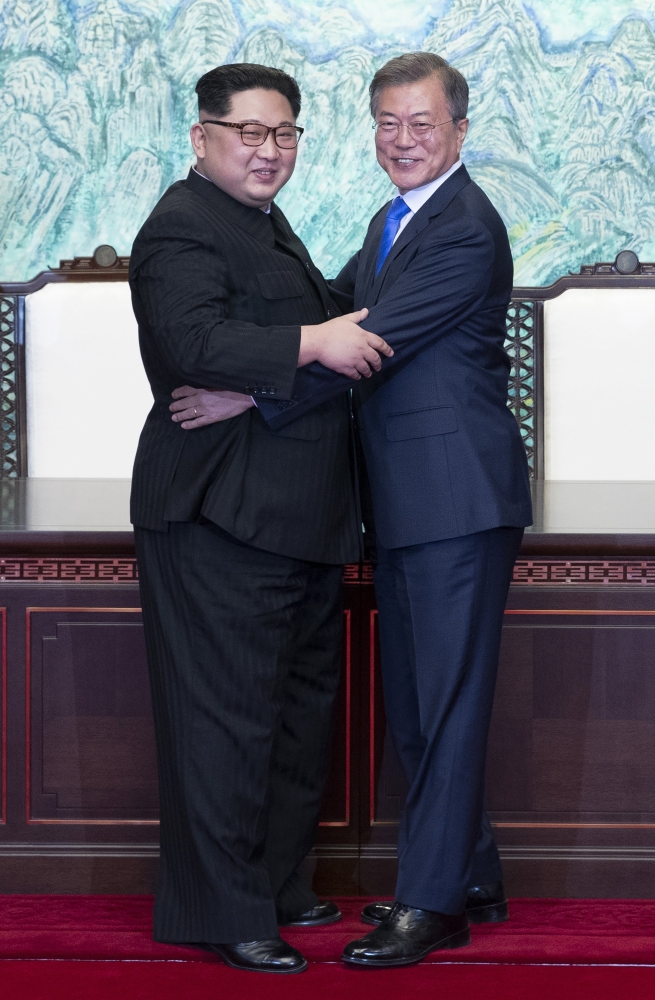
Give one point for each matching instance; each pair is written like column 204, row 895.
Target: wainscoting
column 571, row 771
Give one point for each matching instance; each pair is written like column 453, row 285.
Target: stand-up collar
column 253, row 220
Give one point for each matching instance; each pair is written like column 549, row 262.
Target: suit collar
column 434, row 206
column 253, row 220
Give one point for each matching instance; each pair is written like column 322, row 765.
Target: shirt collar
column 417, row 197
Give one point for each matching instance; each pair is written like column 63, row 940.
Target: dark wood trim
column 585, row 280
column 66, row 543
column 572, row 545
column 76, row 270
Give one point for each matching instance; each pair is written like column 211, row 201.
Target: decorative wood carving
column 48, row 569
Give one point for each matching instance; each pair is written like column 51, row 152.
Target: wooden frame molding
column 37, row 821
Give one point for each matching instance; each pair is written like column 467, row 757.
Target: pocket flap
column 421, row 423
column 280, row 285
column 306, row 428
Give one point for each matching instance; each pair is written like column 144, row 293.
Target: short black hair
column 414, row 66
column 216, row 87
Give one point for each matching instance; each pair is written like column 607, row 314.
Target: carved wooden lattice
column 520, row 345
column 9, row 388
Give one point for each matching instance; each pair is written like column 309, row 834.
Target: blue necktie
column 397, row 210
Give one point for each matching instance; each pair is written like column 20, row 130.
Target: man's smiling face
column 411, row 162
column 252, row 175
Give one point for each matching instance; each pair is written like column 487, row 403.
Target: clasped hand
column 340, row 344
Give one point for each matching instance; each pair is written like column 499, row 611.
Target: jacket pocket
column 280, row 285
column 421, row 423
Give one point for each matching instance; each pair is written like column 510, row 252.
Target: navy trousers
column 441, row 610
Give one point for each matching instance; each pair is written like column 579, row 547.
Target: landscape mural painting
column 96, row 99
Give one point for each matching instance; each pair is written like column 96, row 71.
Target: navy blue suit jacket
column 443, row 451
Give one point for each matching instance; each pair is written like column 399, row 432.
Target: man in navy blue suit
column 450, row 493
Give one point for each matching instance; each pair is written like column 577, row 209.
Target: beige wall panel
column 87, row 393
column 599, row 384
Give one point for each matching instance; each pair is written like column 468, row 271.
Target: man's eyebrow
column 258, row 121
column 392, row 114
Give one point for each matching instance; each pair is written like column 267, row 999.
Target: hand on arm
column 444, row 285
column 340, row 344
column 343, row 346
column 195, row 408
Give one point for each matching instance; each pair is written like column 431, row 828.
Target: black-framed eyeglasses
column 420, row 131
column 252, row 134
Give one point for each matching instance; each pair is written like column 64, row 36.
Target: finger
column 191, row 425
column 357, row 317
column 363, row 368
column 188, row 413
column 183, row 404
column 351, row 373
column 378, row 344
column 374, row 359
column 181, row 391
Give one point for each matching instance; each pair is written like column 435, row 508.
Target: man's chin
column 408, row 177
column 263, row 192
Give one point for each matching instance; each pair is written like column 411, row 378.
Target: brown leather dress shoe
column 324, row 913
column 485, row 904
column 271, row 955
column 406, row 936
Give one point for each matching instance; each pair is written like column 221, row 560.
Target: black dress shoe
column 485, row 904
column 407, row 935
column 271, row 955
column 318, row 916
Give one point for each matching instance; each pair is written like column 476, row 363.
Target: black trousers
column 244, row 650
column 441, row 612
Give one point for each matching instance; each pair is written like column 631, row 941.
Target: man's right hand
column 342, row 345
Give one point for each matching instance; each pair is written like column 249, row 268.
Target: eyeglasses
column 387, row 131
column 286, row 136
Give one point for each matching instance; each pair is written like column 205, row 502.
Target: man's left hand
column 199, row 407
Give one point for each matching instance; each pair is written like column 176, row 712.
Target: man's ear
column 198, row 140
column 462, row 129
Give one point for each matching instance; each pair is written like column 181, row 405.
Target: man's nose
column 404, row 139
column 269, row 149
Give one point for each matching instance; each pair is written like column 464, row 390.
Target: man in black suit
column 450, row 492
column 241, row 531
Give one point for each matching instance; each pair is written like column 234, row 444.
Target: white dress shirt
column 418, row 196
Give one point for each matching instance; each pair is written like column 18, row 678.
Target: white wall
column 599, row 384
column 87, row 393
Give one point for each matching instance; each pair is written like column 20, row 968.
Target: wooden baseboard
column 78, row 868
column 538, row 872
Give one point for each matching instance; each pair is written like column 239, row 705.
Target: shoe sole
column 314, row 923
column 250, row 968
column 459, row 940
column 494, row 913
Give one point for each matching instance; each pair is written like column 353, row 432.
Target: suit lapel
column 434, row 206
column 369, row 254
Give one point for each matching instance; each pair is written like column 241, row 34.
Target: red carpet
column 100, row 947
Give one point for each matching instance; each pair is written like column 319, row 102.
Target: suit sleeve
column 180, row 292
column 442, row 287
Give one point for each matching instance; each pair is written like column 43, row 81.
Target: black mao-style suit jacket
column 443, row 451
column 220, row 291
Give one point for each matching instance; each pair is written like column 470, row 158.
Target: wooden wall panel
column 571, row 767
column 89, row 738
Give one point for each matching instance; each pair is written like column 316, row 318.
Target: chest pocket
column 281, row 285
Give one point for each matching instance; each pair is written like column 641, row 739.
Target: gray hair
column 414, row 66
